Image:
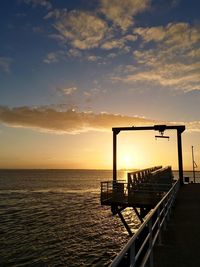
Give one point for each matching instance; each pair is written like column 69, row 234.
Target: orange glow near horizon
column 130, row 160
column 141, row 150
column 93, row 150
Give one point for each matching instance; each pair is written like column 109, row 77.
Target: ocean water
column 54, row 218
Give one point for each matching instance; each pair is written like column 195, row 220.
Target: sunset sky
column 72, row 70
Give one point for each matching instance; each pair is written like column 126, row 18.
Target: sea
column 54, row 218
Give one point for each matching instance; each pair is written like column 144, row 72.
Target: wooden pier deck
column 181, row 240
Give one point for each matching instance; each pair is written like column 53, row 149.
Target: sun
column 131, row 160
column 127, row 162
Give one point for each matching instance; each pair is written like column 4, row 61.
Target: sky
column 72, row 70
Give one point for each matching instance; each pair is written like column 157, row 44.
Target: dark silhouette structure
column 180, row 240
column 145, row 188
column 161, row 128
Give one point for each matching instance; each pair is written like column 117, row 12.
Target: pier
column 144, row 188
column 168, row 208
column 142, row 191
column 181, row 238
column 170, row 234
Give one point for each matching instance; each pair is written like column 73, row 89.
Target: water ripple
column 56, row 226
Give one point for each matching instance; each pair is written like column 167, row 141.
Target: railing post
column 180, row 159
column 150, row 240
column 150, row 244
column 114, row 156
column 159, row 228
column 132, row 255
column 171, row 200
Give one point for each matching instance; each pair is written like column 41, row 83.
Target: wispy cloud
column 181, row 34
column 94, row 94
column 119, row 43
column 114, row 43
column 72, row 52
column 44, row 3
column 93, row 58
column 67, row 91
column 59, row 55
column 193, row 126
column 177, row 76
column 5, row 64
column 172, row 59
column 70, row 121
column 52, row 57
column 84, row 30
column 121, row 13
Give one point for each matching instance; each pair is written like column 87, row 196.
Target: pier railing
column 144, row 187
column 139, row 250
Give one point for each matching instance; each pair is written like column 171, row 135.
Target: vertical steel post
column 180, row 159
column 159, row 227
column 150, row 244
column 114, row 156
column 132, row 255
column 193, row 165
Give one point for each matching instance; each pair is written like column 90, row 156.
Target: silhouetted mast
column 194, row 165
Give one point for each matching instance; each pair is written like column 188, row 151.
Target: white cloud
column 52, row 57
column 44, row 3
column 82, row 29
column 181, row 34
column 119, row 43
column 177, row 76
column 113, row 43
column 195, row 53
column 121, row 12
column 69, row 121
column 171, row 61
column 193, row 126
column 112, row 55
column 130, row 37
column 56, row 56
column 92, row 58
column 5, row 64
column 67, row 91
column 72, row 52
column 55, row 13
column 151, row 33
column 167, row 76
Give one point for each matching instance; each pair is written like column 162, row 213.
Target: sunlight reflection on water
column 55, row 219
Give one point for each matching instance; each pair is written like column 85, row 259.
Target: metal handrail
column 110, row 190
column 152, row 225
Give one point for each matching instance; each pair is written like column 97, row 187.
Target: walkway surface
column 181, row 240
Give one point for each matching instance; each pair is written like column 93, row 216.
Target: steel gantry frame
column 161, row 128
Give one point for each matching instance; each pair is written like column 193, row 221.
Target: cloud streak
column 172, row 59
column 84, row 30
column 70, row 121
column 105, row 27
column 67, row 91
column 181, row 34
column 44, row 3
column 121, row 12
column 5, row 64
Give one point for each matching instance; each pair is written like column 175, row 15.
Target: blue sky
column 80, row 67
